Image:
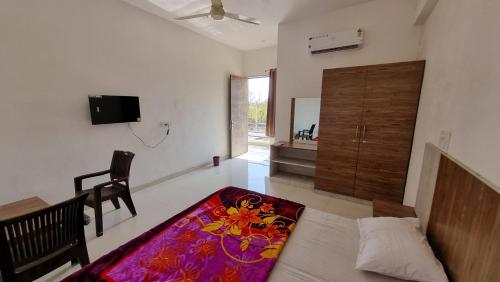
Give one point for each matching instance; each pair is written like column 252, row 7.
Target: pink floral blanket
column 232, row 235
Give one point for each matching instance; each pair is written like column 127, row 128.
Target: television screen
column 114, row 109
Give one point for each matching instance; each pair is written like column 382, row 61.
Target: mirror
column 304, row 125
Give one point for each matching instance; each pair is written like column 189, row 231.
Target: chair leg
column 127, row 199
column 83, row 257
column 98, row 219
column 116, row 203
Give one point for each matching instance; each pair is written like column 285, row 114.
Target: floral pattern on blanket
column 234, row 235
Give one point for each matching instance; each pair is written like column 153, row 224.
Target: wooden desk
column 22, row 207
column 391, row 209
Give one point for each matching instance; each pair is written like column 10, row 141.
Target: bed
column 323, row 247
column 459, row 211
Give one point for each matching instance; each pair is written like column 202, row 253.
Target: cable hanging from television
column 167, row 132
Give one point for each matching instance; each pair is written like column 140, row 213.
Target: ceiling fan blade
column 245, row 20
column 193, row 16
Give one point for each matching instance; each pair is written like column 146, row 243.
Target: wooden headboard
column 464, row 218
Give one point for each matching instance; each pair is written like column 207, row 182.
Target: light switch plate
column 444, row 140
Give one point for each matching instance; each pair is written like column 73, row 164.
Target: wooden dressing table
column 293, row 159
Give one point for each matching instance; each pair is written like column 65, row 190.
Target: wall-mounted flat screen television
column 114, row 109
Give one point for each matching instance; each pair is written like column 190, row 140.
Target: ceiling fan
column 217, row 13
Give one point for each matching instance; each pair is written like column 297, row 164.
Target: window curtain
column 271, row 104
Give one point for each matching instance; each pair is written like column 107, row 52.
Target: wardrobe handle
column 357, row 134
column 363, row 137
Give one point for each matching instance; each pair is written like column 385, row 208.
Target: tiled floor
column 258, row 154
column 158, row 203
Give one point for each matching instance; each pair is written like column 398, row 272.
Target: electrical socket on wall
column 165, row 124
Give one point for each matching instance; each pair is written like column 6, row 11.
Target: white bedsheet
column 323, row 247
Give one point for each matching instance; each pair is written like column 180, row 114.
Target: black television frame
column 111, row 109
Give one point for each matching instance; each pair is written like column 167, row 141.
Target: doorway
column 258, row 142
column 249, row 101
column 258, row 93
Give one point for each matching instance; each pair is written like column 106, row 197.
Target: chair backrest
column 120, row 164
column 38, row 235
column 311, row 131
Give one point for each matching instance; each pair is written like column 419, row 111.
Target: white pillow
column 396, row 247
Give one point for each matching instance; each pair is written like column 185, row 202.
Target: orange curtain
column 271, row 104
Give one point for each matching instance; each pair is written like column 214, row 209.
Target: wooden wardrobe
column 367, row 119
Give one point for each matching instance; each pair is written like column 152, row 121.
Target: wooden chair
column 118, row 187
column 35, row 244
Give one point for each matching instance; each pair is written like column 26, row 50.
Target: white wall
column 424, row 9
column 259, row 62
column 390, row 37
column 461, row 91
column 54, row 53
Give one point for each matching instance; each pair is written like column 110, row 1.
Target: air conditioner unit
column 336, row 41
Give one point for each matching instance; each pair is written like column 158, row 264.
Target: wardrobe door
column 389, row 115
column 340, row 121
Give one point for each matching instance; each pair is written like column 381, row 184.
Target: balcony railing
column 256, row 127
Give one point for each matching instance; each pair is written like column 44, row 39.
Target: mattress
column 323, row 247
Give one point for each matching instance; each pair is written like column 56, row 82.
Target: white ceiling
column 237, row 34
